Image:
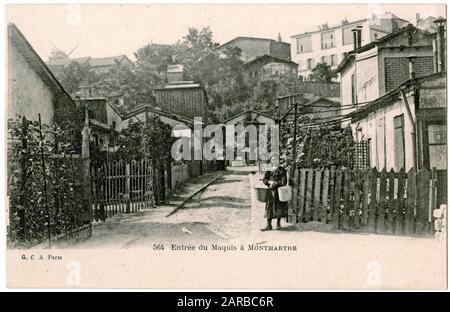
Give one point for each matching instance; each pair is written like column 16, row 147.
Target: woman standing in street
column 275, row 178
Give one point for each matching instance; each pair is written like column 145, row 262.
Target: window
column 304, row 44
column 437, row 144
column 310, row 63
column 334, row 60
column 327, row 40
column 399, row 142
column 354, row 96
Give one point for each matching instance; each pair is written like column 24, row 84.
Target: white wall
column 367, row 71
column 28, row 95
column 318, row 52
column 379, row 127
column 113, row 117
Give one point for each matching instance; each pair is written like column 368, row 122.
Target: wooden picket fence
column 365, row 200
column 120, row 187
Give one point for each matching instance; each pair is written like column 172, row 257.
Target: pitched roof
column 351, row 55
column 93, row 61
column 106, row 61
column 158, row 111
column 266, row 57
column 251, row 38
column 320, row 99
column 248, row 111
column 34, row 60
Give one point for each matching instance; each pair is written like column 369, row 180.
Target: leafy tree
column 152, row 61
column 198, row 53
column 75, row 75
column 323, row 146
column 322, row 72
column 150, row 139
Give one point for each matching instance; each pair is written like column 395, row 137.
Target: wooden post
column 325, row 184
column 382, row 203
column 392, row 203
column 337, row 198
column 423, row 200
column 317, row 184
column 86, row 165
column 373, row 177
column 44, row 176
column 293, row 205
column 410, row 202
column 294, row 147
column 357, row 199
column 365, row 200
column 127, row 187
column 309, row 190
column 399, row 216
column 301, row 195
column 346, row 209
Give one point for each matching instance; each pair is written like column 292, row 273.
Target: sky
column 108, row 30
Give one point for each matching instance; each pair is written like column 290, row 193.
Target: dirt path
column 220, row 212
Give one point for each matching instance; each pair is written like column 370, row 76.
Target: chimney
column 175, row 73
column 440, row 44
column 279, row 37
column 357, row 34
column 418, row 19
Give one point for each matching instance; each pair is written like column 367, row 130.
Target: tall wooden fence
column 120, row 187
column 367, row 201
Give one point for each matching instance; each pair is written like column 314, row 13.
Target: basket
column 261, row 194
column 285, row 193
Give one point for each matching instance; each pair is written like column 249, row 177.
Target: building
column 372, row 70
column 426, row 24
column 252, row 48
column 251, row 139
column 410, row 117
column 32, row 87
column 105, row 123
column 267, row 66
column 330, row 44
column 145, row 112
column 405, row 126
column 99, row 65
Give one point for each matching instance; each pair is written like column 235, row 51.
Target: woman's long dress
column 274, row 207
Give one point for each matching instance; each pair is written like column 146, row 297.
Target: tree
column 198, row 53
column 75, row 75
column 152, row 61
column 322, row 72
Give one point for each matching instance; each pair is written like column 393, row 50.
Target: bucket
column 261, row 194
column 285, row 193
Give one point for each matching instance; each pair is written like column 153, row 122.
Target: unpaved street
column 221, row 212
column 226, row 212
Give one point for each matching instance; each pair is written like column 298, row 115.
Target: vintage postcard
column 226, row 146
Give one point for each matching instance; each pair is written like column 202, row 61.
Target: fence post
column 410, row 202
column 423, row 200
column 86, row 165
column 127, row 187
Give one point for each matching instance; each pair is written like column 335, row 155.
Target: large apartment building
column 330, row 44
